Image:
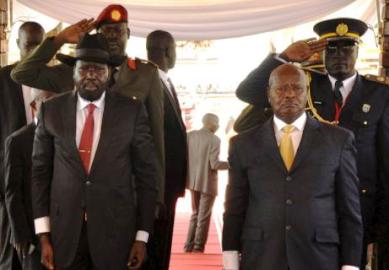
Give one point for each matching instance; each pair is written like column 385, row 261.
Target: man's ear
column 128, row 33
column 17, row 43
column 268, row 94
column 110, row 69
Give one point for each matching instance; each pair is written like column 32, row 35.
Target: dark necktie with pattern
column 337, row 94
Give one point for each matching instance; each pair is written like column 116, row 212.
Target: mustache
column 290, row 103
column 87, row 81
column 339, row 60
column 113, row 43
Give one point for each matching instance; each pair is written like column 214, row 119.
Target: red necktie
column 85, row 148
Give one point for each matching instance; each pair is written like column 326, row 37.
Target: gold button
column 365, row 123
column 134, row 97
column 364, row 191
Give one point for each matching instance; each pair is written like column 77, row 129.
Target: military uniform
column 135, row 78
column 366, row 113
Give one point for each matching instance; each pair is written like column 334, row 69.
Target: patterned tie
column 286, row 146
column 337, row 94
column 85, row 148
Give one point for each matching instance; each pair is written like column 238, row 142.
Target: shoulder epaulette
column 379, row 79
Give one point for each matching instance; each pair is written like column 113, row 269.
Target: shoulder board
column 146, row 62
column 378, row 79
column 131, row 63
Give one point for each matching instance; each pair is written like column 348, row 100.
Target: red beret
column 112, row 14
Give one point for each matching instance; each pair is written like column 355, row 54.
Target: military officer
column 342, row 97
column 134, row 78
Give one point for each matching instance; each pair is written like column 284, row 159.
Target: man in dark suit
column 292, row 200
column 348, row 99
column 17, row 166
column 134, row 78
column 94, row 171
column 14, row 114
column 161, row 49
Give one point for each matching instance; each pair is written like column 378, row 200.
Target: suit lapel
column 174, row 105
column 17, row 90
column 306, row 142
column 270, row 144
column 323, row 97
column 69, row 116
column 353, row 99
column 107, row 126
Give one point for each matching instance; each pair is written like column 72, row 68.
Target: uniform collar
column 347, row 83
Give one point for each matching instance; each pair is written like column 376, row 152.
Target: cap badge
column 116, row 15
column 342, row 29
column 366, row 108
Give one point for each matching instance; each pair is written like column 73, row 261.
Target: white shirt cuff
column 231, row 260
column 142, row 236
column 42, row 225
column 349, row 267
column 277, row 57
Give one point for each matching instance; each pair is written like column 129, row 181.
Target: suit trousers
column 82, row 259
column 8, row 255
column 160, row 243
column 199, row 222
column 32, row 261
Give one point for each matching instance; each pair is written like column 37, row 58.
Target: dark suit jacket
column 12, row 117
column 176, row 152
column 12, row 112
column 117, row 205
column 307, row 218
column 18, row 151
column 371, row 130
column 141, row 82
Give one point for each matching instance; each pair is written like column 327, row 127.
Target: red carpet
column 210, row 260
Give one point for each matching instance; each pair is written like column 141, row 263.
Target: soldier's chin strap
column 310, row 107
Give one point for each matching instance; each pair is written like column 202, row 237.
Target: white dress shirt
column 165, row 80
column 42, row 225
column 82, row 114
column 347, row 87
column 295, row 134
column 231, row 257
column 27, row 102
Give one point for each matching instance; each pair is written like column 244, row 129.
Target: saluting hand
column 303, row 49
column 137, row 255
column 74, row 32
